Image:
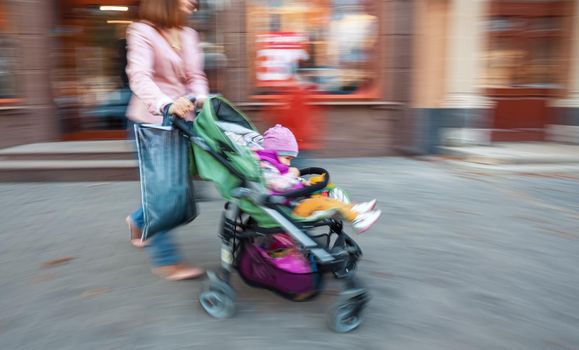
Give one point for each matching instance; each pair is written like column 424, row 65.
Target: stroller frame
column 337, row 254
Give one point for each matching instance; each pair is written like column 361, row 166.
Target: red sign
column 277, row 56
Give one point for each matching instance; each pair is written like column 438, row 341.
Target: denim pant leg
column 138, row 218
column 161, row 247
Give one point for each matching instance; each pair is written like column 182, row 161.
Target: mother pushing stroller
column 164, row 66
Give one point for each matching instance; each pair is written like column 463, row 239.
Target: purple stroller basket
column 291, row 275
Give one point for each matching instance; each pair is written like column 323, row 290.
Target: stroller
column 256, row 226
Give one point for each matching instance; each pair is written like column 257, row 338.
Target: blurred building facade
column 27, row 112
column 383, row 76
column 489, row 71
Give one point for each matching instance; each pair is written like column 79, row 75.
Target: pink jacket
column 158, row 74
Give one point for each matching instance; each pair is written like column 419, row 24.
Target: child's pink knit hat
column 281, row 140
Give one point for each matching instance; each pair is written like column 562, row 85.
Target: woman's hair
column 162, row 13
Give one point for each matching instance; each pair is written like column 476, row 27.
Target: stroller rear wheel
column 345, row 314
column 218, row 299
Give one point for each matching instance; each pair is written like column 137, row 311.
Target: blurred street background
column 460, row 116
column 351, row 77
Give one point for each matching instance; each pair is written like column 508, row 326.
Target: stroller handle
column 177, row 122
column 308, row 190
column 181, row 125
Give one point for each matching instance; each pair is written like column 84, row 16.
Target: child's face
column 285, row 160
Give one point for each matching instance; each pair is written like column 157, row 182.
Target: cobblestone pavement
column 458, row 261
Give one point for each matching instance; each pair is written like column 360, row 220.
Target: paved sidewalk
column 458, row 261
column 518, row 153
column 515, row 158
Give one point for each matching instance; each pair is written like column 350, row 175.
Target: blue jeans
column 161, row 246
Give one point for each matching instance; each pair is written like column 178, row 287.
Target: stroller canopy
column 210, row 127
column 218, row 110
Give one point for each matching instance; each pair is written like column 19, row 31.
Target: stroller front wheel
column 345, row 315
column 218, row 299
column 344, row 319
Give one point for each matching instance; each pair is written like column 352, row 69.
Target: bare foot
column 178, row 272
column 136, row 234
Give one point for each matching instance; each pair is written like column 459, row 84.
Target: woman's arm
column 140, row 60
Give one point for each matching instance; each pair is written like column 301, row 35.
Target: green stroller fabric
column 241, row 158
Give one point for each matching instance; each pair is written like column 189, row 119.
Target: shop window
column 525, row 45
column 90, row 84
column 8, row 59
column 329, row 44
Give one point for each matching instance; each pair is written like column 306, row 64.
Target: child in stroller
column 280, row 148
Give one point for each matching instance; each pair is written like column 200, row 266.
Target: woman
column 164, row 66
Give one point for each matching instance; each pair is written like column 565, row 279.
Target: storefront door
column 525, row 65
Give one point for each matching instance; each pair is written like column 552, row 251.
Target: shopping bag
column 166, row 185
